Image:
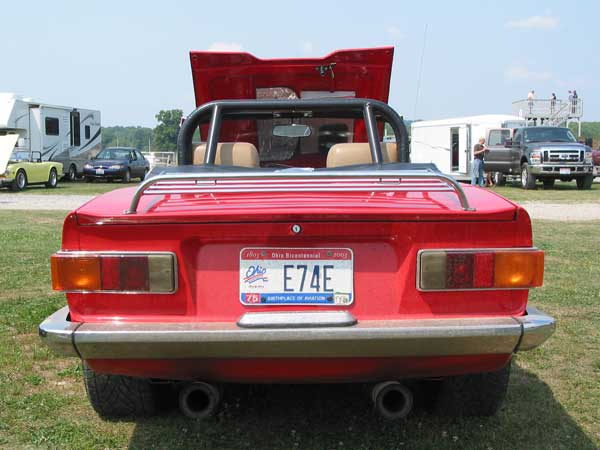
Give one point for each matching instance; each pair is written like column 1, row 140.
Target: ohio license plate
column 296, row 276
column 565, row 171
column 99, row 171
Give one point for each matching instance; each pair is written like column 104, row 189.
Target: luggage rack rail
column 299, row 181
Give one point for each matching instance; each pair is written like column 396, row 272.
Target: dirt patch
column 562, row 212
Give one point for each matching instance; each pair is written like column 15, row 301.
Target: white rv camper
column 59, row 133
column 448, row 143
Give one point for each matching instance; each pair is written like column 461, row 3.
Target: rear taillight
column 446, row 270
column 114, row 272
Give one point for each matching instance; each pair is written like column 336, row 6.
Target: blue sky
column 130, row 59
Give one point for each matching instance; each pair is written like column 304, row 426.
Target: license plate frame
column 564, row 171
column 262, row 273
column 99, row 171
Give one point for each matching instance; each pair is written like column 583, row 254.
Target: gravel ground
column 48, row 202
column 546, row 211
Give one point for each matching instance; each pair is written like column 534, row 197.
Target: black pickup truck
column 541, row 154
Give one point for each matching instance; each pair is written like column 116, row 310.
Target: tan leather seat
column 348, row 154
column 241, row 154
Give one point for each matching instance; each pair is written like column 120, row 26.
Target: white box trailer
column 448, row 143
column 64, row 134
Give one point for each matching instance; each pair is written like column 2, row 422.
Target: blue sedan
column 123, row 163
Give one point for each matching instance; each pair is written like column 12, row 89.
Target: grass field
column 553, row 400
column 560, row 193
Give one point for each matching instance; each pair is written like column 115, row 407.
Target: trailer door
column 35, row 129
column 464, row 152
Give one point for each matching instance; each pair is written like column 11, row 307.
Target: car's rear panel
column 384, row 234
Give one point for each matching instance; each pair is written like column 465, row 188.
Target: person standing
column 552, row 103
column 479, row 150
column 574, row 102
column 530, row 98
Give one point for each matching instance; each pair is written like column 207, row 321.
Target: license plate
column 99, row 171
column 296, row 276
column 565, row 171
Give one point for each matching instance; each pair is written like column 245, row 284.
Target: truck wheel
column 72, row 173
column 548, row 182
column 52, row 179
column 114, row 396
column 527, row 178
column 585, row 182
column 127, row 176
column 479, row 394
column 499, row 179
column 20, row 182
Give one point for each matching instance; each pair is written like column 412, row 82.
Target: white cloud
column 522, row 73
column 535, row 23
column 394, row 32
column 307, row 47
column 225, row 47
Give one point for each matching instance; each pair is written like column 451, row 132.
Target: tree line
column 163, row 137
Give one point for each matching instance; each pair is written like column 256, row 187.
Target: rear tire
column 20, row 182
column 479, row 394
column 72, row 173
column 115, row 396
column 585, row 182
column 144, row 175
column 127, row 176
column 499, row 179
column 527, row 178
column 548, row 182
column 52, row 179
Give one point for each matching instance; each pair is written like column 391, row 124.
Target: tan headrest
column 359, row 153
column 241, row 154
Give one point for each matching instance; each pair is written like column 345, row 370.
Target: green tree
column 165, row 133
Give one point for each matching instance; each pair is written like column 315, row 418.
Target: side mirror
column 508, row 143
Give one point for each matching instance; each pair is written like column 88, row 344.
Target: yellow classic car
column 21, row 167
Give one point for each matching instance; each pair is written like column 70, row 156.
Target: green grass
column 553, row 400
column 75, row 188
column 560, row 193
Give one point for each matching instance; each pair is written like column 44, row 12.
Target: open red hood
column 348, row 73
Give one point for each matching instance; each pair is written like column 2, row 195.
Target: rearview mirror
column 294, row 130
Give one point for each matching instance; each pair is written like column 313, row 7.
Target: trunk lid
column 345, row 73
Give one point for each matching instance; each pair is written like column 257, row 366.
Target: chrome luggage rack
column 298, row 180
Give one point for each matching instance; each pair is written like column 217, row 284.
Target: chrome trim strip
column 308, row 176
column 124, row 253
column 468, row 250
column 371, row 338
column 308, row 319
column 57, row 332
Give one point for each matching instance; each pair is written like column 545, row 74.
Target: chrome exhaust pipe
column 199, row 400
column 392, row 400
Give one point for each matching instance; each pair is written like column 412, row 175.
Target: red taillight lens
column 91, row 272
column 480, row 269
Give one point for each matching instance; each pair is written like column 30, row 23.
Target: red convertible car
column 294, row 247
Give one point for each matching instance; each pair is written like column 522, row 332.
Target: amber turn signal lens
column 75, row 274
column 519, row 269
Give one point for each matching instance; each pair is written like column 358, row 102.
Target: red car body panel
column 220, row 76
column 301, row 370
column 207, row 234
column 385, row 230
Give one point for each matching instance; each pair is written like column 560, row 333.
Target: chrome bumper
column 554, row 169
column 296, row 335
